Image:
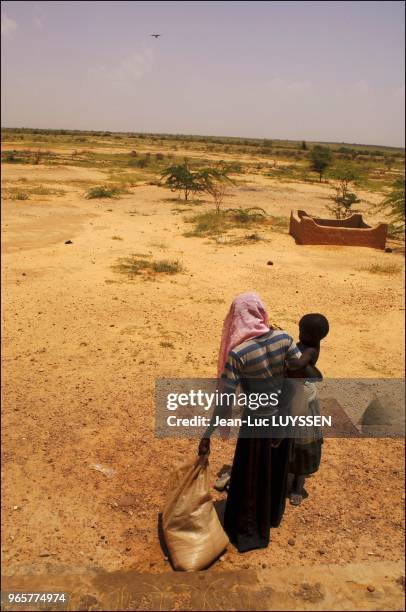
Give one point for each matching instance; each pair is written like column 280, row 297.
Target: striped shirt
column 259, row 358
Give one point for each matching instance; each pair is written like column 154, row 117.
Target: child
column 306, row 451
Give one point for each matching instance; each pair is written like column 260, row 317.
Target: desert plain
column 83, row 343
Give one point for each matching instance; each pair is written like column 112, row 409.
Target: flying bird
column 155, row 35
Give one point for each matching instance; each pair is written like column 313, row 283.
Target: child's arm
column 298, row 363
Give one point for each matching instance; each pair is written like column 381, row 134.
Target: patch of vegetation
column 246, row 216
column 41, row 190
column 136, row 264
column 125, row 179
column 159, row 244
column 214, row 223
column 279, row 223
column 343, row 199
column 12, row 157
column 15, row 193
column 165, row 344
column 253, row 237
column 396, row 231
column 211, row 180
column 104, row 191
column 293, row 172
column 206, row 224
column 26, row 156
column 116, row 238
column 167, row 266
column 394, row 204
column 20, row 195
column 243, row 240
column 214, row 182
column 181, row 179
column 320, row 160
column 146, row 155
column 382, row 268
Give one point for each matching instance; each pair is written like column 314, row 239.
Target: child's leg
column 297, row 494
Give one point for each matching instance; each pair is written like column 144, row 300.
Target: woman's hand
column 204, row 446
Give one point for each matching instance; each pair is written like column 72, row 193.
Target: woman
column 252, row 354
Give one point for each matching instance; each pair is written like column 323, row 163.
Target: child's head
column 313, row 328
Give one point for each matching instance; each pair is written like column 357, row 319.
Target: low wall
column 345, row 232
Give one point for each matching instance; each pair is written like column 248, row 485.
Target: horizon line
column 178, row 134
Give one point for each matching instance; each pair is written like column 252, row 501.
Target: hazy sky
column 331, row 71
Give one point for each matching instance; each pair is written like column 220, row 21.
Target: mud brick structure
column 352, row 231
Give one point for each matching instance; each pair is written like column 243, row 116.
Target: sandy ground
column 82, row 348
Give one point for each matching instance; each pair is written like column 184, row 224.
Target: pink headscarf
column 246, row 319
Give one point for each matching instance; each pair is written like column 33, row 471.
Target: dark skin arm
column 308, row 357
column 304, row 366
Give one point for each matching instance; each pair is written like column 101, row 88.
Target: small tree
column 214, row 181
column 343, row 199
column 37, row 157
column 304, row 145
column 180, row 178
column 345, row 174
column 320, row 159
column 394, row 204
column 342, row 204
column 389, row 161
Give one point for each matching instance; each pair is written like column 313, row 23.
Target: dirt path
column 82, row 348
column 366, row 586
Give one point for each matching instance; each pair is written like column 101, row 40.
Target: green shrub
column 20, row 195
column 135, row 265
column 103, row 192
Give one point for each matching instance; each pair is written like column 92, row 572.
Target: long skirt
column 257, row 494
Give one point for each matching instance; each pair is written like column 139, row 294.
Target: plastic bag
column 192, row 530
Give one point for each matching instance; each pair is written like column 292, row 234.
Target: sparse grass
column 20, row 195
column 159, row 244
column 131, row 158
column 395, row 231
column 137, row 264
column 382, row 268
column 252, row 238
column 125, row 179
column 116, row 238
column 213, row 224
column 279, row 223
column 165, row 344
column 167, row 266
column 105, row 191
column 240, row 240
column 15, row 193
column 206, row 224
column 41, row 190
column 243, row 217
